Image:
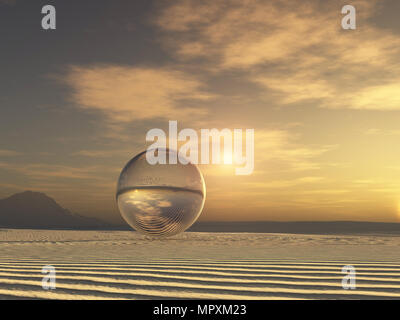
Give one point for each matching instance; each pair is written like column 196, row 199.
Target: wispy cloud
column 284, row 150
column 124, row 94
column 296, row 50
column 8, row 153
column 105, row 153
column 43, row 171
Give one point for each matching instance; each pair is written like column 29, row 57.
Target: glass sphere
column 160, row 200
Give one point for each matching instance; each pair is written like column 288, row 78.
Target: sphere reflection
column 160, row 200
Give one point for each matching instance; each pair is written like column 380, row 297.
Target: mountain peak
column 34, row 200
column 30, row 195
column 31, row 209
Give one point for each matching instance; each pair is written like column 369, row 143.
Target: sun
column 228, row 158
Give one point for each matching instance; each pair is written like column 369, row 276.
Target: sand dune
column 124, row 265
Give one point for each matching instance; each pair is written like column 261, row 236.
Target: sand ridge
column 126, row 265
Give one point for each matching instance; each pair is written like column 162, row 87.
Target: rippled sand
column 125, row 265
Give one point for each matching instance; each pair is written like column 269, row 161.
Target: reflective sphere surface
column 160, row 200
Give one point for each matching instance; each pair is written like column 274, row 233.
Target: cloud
column 283, row 183
column 106, row 153
column 271, row 30
column 8, row 153
column 296, row 51
column 384, row 132
column 124, row 94
column 382, row 97
column 42, row 171
column 278, row 154
column 287, row 153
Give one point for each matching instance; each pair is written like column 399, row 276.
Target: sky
column 76, row 102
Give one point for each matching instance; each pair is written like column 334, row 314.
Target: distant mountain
column 36, row 210
column 300, row 227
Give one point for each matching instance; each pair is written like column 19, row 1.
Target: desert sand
column 126, row 265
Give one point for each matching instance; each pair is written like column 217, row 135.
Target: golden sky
column 324, row 103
